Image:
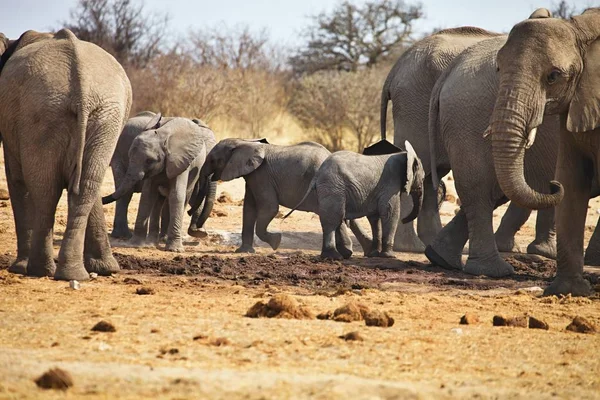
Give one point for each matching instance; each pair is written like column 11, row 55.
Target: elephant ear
column 182, row 148
column 412, row 165
column 154, row 123
column 245, row 158
column 584, row 111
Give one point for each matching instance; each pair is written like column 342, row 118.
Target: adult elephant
column 63, row 103
column 551, row 66
column 461, row 104
column 169, row 154
column 275, row 175
column 119, row 164
column 409, row 86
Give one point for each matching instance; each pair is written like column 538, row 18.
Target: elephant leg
column 512, row 220
column 592, row 253
column 268, row 206
column 249, row 215
column 484, row 258
column 343, row 243
column 165, row 218
column 154, row 226
column 375, row 223
column 98, row 256
column 545, row 234
column 365, row 241
column 331, row 216
column 406, row 239
column 120, row 225
column 147, row 201
column 573, row 171
column 446, row 249
column 23, row 213
column 389, row 216
column 429, row 223
column 177, row 194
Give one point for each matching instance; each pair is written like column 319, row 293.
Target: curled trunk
column 126, row 186
column 202, row 189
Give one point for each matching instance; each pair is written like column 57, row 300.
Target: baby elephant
column 275, row 175
column 351, row 185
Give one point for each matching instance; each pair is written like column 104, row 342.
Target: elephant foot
column 387, row 254
column 443, row 259
column 175, row 247
column 331, row 254
column 546, row 248
column 245, row 249
column 121, row 233
column 346, row 253
column 19, row 266
column 507, row 245
column 71, row 272
column 408, row 243
column 494, row 267
column 41, row 268
column 102, row 266
column 162, row 239
column 373, row 253
column 274, row 240
column 573, row 285
column 199, row 233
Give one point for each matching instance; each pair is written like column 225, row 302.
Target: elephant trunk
column 199, row 218
column 514, row 122
column 202, row 188
column 126, row 186
column 417, row 198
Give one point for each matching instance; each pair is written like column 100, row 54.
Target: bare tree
column 121, row 27
column 354, row 35
column 336, row 107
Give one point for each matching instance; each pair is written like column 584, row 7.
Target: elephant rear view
column 63, row 103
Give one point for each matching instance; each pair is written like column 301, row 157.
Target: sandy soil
column 190, row 338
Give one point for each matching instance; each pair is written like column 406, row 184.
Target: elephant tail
column 79, row 107
column 312, row 186
column 385, row 98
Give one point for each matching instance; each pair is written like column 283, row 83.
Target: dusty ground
column 190, row 338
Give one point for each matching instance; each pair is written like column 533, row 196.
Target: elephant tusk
column 487, row 132
column 531, row 138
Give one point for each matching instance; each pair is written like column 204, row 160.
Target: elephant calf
column 275, row 175
column 169, row 155
column 351, row 185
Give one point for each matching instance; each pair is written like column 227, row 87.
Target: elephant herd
column 507, row 114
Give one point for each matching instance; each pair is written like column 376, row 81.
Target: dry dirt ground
column 189, row 337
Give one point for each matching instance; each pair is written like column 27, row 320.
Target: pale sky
column 284, row 19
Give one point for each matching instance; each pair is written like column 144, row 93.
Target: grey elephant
column 169, row 155
column 159, row 219
column 461, row 104
column 409, row 85
column 275, row 175
column 550, row 66
column 63, row 103
column 349, row 185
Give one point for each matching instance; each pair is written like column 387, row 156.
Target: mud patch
column 312, row 272
column 55, row 378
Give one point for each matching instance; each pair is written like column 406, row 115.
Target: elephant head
column 168, row 147
column 229, row 159
column 547, row 66
column 414, row 181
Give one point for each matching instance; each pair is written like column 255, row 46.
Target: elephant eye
column 553, row 76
